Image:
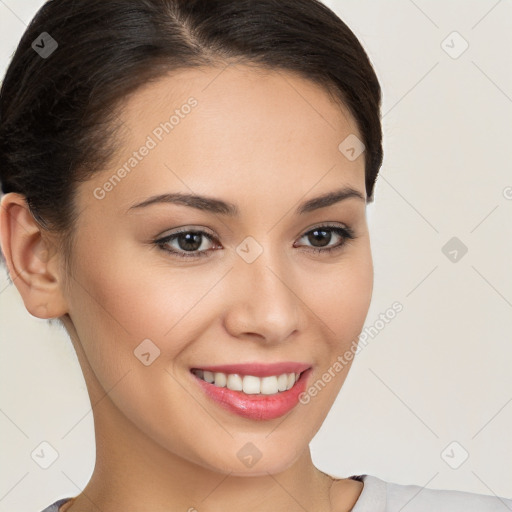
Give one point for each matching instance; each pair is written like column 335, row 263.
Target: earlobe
column 31, row 259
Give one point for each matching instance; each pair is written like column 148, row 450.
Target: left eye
column 189, row 242
column 323, row 235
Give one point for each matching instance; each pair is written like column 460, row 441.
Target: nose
column 264, row 305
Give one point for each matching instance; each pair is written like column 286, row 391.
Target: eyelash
column 346, row 233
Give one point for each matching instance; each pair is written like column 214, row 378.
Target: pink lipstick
column 258, row 391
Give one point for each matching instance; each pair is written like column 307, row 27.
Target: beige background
column 439, row 372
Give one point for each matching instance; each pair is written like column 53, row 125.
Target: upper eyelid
column 204, row 230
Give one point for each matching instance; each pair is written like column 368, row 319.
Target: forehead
column 229, row 131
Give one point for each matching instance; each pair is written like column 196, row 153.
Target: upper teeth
column 249, row 384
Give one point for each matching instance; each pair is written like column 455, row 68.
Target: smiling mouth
column 249, row 384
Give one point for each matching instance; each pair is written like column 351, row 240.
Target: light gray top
column 381, row 496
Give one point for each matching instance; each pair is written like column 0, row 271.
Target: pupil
column 315, row 236
column 192, row 241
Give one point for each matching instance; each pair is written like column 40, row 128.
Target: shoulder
column 381, row 496
column 54, row 507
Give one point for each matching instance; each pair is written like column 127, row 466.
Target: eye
column 189, row 243
column 322, row 235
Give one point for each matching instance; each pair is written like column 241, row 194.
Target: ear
column 32, row 261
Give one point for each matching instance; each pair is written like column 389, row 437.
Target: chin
column 260, row 468
column 249, row 460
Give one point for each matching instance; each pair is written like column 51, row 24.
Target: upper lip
column 257, row 369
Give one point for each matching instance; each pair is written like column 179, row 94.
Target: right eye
column 188, row 241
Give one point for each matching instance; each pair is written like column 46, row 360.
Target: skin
column 266, row 141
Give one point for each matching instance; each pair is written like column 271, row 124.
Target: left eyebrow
column 218, row 206
column 329, row 199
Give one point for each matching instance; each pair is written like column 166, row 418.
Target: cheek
column 354, row 292
column 128, row 297
column 122, row 304
column 340, row 302
column 340, row 296
column 130, row 290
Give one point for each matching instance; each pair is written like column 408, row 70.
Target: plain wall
column 439, row 372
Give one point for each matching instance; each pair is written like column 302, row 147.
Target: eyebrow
column 217, row 206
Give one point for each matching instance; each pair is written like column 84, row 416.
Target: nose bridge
column 265, row 302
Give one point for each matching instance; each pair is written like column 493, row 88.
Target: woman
column 185, row 190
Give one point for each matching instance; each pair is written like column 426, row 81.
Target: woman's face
column 143, row 317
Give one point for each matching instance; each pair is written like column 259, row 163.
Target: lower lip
column 256, row 407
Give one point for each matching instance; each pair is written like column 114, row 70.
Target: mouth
column 254, row 391
column 249, row 384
